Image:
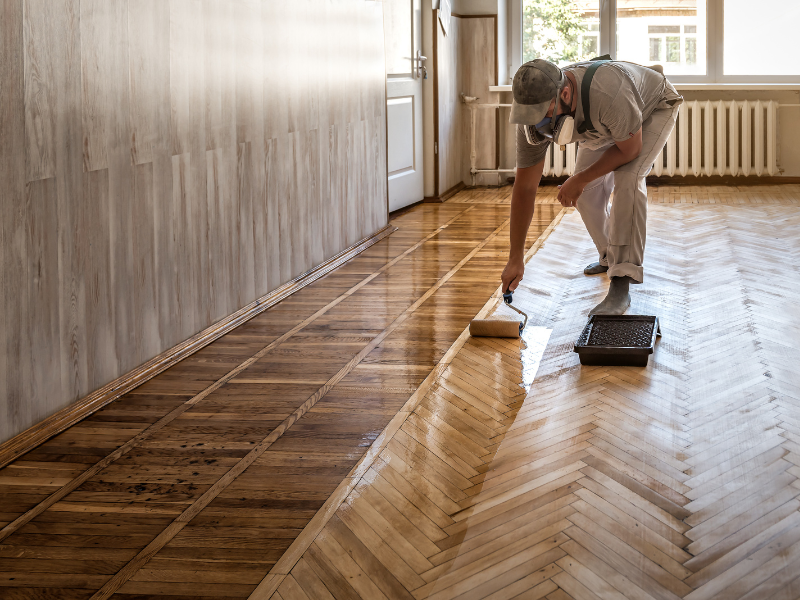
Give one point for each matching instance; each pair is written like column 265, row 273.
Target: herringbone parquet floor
column 518, row 473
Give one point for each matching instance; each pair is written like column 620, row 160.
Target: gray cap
column 535, row 85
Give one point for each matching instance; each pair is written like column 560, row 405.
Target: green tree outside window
column 551, row 29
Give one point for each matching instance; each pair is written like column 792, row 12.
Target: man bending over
column 621, row 115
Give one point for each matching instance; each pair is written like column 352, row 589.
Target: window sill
column 703, row 86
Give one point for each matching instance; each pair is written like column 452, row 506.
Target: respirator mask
column 558, row 128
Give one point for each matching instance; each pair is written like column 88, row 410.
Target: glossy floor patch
column 514, row 476
column 196, row 483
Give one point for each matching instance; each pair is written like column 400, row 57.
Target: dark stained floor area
column 194, row 484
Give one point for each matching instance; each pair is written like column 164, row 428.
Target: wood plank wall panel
column 466, row 65
column 451, row 135
column 165, row 163
column 477, row 70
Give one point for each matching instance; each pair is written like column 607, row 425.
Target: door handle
column 420, row 70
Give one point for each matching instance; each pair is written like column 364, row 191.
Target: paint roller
column 496, row 327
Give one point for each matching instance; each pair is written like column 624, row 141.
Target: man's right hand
column 512, row 274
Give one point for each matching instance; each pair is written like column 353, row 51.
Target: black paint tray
column 618, row 340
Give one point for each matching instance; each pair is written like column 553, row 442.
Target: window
column 673, row 49
column 655, row 48
column 691, row 51
column 661, row 32
column 704, row 41
column 673, row 44
column 590, row 46
column 591, row 38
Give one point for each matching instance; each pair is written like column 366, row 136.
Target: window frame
column 715, row 21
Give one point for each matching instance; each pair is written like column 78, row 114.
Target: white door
column 402, row 28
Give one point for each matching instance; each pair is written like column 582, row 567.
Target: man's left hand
column 570, row 191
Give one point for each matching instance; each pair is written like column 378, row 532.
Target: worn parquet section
column 521, row 474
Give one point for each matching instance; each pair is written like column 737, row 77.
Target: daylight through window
column 761, row 41
column 750, row 42
column 561, row 31
column 664, row 32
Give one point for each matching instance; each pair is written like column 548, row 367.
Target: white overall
column 619, row 232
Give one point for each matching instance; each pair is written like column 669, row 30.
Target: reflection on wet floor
column 448, row 493
column 518, row 473
column 197, row 482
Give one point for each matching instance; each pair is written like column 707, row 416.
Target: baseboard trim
column 446, row 195
column 58, row 422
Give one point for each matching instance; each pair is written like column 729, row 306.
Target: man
column 632, row 110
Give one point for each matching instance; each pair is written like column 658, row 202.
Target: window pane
column 590, row 46
column 691, row 51
column 751, row 28
column 561, row 31
column 667, row 32
column 673, row 49
column 655, row 49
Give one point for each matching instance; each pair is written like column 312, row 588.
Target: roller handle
column 508, row 296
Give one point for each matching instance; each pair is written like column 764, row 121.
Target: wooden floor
column 355, row 442
column 518, row 473
column 196, row 483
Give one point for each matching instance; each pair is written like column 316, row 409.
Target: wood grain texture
column 477, row 68
column 164, row 165
column 198, row 481
column 521, row 473
column 465, row 65
column 452, row 146
column 55, row 424
column 14, row 214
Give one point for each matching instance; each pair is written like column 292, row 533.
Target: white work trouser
column 619, row 233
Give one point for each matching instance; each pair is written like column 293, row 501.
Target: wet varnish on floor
column 197, row 482
column 355, row 442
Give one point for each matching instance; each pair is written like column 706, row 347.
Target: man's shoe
column 595, row 269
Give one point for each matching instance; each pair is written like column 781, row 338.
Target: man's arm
column 523, row 197
column 619, row 154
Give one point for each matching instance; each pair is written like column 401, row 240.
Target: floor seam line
column 150, row 550
column 56, row 496
column 272, row 580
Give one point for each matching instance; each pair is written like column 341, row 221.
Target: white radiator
column 710, row 138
